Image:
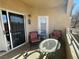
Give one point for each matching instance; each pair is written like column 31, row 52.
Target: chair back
column 33, row 36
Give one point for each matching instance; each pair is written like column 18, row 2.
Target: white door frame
column 47, row 26
column 9, row 29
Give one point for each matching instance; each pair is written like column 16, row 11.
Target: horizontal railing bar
column 76, row 49
column 72, row 41
column 72, row 49
column 75, row 40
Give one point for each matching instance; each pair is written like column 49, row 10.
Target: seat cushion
column 35, row 40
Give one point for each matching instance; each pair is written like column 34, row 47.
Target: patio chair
column 56, row 34
column 34, row 38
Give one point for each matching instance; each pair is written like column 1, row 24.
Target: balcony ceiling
column 43, row 3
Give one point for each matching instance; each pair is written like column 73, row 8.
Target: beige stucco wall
column 58, row 18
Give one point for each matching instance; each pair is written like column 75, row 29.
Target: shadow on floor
column 17, row 53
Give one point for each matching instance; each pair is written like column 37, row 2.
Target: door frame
column 2, row 26
column 25, row 25
column 47, row 26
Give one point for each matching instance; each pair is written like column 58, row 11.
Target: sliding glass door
column 17, row 28
column 13, row 24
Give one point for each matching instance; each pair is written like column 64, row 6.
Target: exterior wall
column 58, row 19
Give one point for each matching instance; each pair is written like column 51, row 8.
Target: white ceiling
column 43, row 3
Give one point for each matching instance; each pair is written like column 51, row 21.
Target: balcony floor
column 19, row 53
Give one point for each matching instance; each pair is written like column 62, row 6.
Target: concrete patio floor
column 19, row 53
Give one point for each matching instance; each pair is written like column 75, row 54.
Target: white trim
column 47, row 26
column 9, row 30
column 26, row 28
column 2, row 21
column 38, row 24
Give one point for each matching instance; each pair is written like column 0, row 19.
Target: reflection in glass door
column 43, row 26
column 17, row 28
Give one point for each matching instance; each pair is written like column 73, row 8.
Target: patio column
column 69, row 6
column 69, row 10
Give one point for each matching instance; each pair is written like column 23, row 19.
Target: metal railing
column 73, row 41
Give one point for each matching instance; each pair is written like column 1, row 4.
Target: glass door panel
column 43, row 26
column 17, row 28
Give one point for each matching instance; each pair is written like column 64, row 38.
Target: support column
column 69, row 10
column 69, row 6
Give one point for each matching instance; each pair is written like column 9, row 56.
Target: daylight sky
column 76, row 7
